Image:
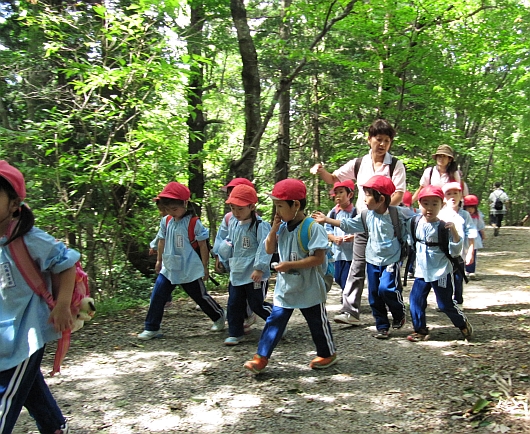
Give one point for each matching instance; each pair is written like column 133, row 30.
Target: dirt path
column 188, row 381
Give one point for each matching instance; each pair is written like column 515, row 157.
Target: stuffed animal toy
column 87, row 310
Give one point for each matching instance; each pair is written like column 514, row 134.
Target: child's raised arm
column 322, row 218
column 271, row 241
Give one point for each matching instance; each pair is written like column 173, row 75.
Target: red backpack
column 82, row 305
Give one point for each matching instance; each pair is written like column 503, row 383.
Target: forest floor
column 188, row 381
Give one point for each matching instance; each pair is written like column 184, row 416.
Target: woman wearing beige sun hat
column 445, row 170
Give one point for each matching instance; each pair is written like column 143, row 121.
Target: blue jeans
column 384, row 289
column 24, row 386
column 342, row 268
column 317, row 320
column 237, row 305
column 163, row 289
column 443, row 289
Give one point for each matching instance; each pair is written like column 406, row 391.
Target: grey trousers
column 351, row 296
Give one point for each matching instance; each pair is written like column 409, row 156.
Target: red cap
column 407, row 198
column 431, row 191
column 451, row 186
column 175, row 190
column 346, row 184
column 242, row 195
column 382, row 184
column 14, row 177
column 470, row 200
column 289, row 189
column 237, row 181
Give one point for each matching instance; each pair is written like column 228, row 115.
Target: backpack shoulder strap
column 191, row 231
column 392, row 210
column 413, row 226
column 430, row 174
column 228, row 216
column 364, row 213
column 29, row 270
column 304, row 231
column 357, row 166
column 392, row 166
column 443, row 238
column 168, row 219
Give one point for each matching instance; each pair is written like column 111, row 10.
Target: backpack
column 358, row 162
column 498, row 204
column 458, row 263
column 392, row 210
column 304, row 232
column 82, row 305
column 194, row 243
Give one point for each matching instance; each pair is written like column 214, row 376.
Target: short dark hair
column 381, row 126
column 498, row 184
column 303, row 203
column 377, row 195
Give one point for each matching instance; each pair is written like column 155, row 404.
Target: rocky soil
column 187, row 381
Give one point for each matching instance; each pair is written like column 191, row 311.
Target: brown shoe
column 323, row 362
column 257, row 364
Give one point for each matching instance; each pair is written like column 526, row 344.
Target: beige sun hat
column 444, row 150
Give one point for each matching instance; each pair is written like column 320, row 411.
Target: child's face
column 242, row 213
column 286, row 212
column 7, row 208
column 370, row 201
column 430, row 207
column 453, row 198
column 471, row 209
column 176, row 211
column 343, row 197
column 380, row 144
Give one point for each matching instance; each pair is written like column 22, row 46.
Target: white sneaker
column 147, row 334
column 472, row 276
column 233, row 340
column 219, row 324
column 346, row 318
column 251, row 320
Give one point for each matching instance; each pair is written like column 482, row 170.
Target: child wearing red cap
column 471, row 206
column 433, row 269
column 453, row 211
column 300, row 281
column 27, row 323
column 341, row 242
column 247, row 260
column 383, row 251
column 178, row 264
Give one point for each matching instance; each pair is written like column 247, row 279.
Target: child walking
column 453, row 211
column 178, row 263
column 342, row 243
column 248, row 261
column 471, row 206
column 300, row 281
column 27, row 324
column 433, row 269
column 383, row 251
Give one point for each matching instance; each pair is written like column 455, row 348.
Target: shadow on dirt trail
column 187, row 381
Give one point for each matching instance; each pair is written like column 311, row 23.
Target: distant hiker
column 498, row 201
column 249, row 264
column 300, row 281
column 341, row 242
column 178, row 263
column 453, row 212
column 377, row 162
column 471, row 206
column 387, row 234
column 445, row 170
column 434, row 270
column 27, row 322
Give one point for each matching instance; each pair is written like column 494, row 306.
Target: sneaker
column 398, row 323
column 472, row 276
column 148, row 334
column 418, row 337
column 346, row 318
column 233, row 340
column 250, row 321
column 219, row 324
column 382, row 334
column 257, row 364
column 467, row 332
column 63, row 430
column 323, row 362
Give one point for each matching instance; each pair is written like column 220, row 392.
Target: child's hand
column 449, row 225
column 348, row 238
column 282, row 267
column 206, row 275
column 256, row 276
column 61, row 318
column 337, row 240
column 319, row 217
column 470, row 257
column 158, row 266
column 276, row 223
